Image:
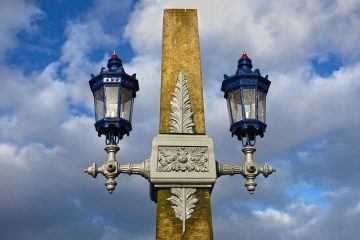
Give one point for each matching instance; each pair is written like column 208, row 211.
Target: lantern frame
column 113, row 127
column 244, row 79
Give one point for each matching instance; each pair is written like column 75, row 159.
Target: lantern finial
column 114, row 55
column 244, row 64
column 244, row 55
column 114, row 63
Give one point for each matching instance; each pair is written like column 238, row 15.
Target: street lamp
column 180, row 161
column 245, row 93
column 181, row 169
column 114, row 92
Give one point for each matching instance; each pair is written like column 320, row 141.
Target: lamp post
column 182, row 169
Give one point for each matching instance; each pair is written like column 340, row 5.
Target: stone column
column 181, row 53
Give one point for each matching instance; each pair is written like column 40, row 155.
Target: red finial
column 244, row 55
column 114, row 55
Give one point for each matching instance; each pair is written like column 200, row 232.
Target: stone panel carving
column 183, row 159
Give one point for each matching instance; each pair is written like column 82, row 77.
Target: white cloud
column 25, row 157
column 281, row 38
column 15, row 16
column 272, row 218
column 282, row 43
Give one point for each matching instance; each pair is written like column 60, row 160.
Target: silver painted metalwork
column 183, row 159
column 112, row 168
column 183, row 202
column 181, row 113
column 161, row 164
column 249, row 170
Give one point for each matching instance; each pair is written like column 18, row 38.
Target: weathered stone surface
column 181, row 52
column 198, row 227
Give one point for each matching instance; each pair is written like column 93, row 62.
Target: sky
column 309, row 49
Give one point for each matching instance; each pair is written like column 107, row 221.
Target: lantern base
column 249, row 128
column 114, row 129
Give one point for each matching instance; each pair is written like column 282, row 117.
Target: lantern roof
column 114, row 74
column 245, row 77
column 244, row 64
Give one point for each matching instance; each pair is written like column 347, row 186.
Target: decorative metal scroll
column 181, row 112
column 183, row 159
column 183, row 202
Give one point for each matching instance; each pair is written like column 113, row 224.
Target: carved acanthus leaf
column 183, row 202
column 181, row 113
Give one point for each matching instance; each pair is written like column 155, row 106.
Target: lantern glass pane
column 99, row 103
column 112, row 98
column 126, row 103
column 261, row 106
column 235, row 105
column 229, row 110
column 249, row 102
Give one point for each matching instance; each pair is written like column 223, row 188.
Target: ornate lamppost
column 182, row 169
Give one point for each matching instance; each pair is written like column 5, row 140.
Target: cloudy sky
column 309, row 49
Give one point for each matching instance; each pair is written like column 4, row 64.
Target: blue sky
column 309, row 49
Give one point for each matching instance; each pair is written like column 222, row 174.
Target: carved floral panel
column 183, row 159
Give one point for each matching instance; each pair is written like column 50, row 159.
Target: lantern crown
column 244, row 64
column 115, row 63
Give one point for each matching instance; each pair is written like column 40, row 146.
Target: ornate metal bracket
column 249, row 170
column 112, row 168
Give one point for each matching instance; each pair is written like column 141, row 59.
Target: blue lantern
column 245, row 93
column 114, row 92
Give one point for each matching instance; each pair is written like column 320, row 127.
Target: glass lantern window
column 261, row 106
column 235, row 106
column 126, row 103
column 99, row 103
column 249, row 103
column 112, row 99
column 229, row 110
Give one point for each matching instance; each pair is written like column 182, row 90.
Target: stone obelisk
column 181, row 60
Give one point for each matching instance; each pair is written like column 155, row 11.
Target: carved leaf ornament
column 181, row 113
column 183, row 202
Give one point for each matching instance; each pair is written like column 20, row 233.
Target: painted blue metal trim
column 244, row 127
column 121, row 77
column 118, row 126
column 238, row 81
